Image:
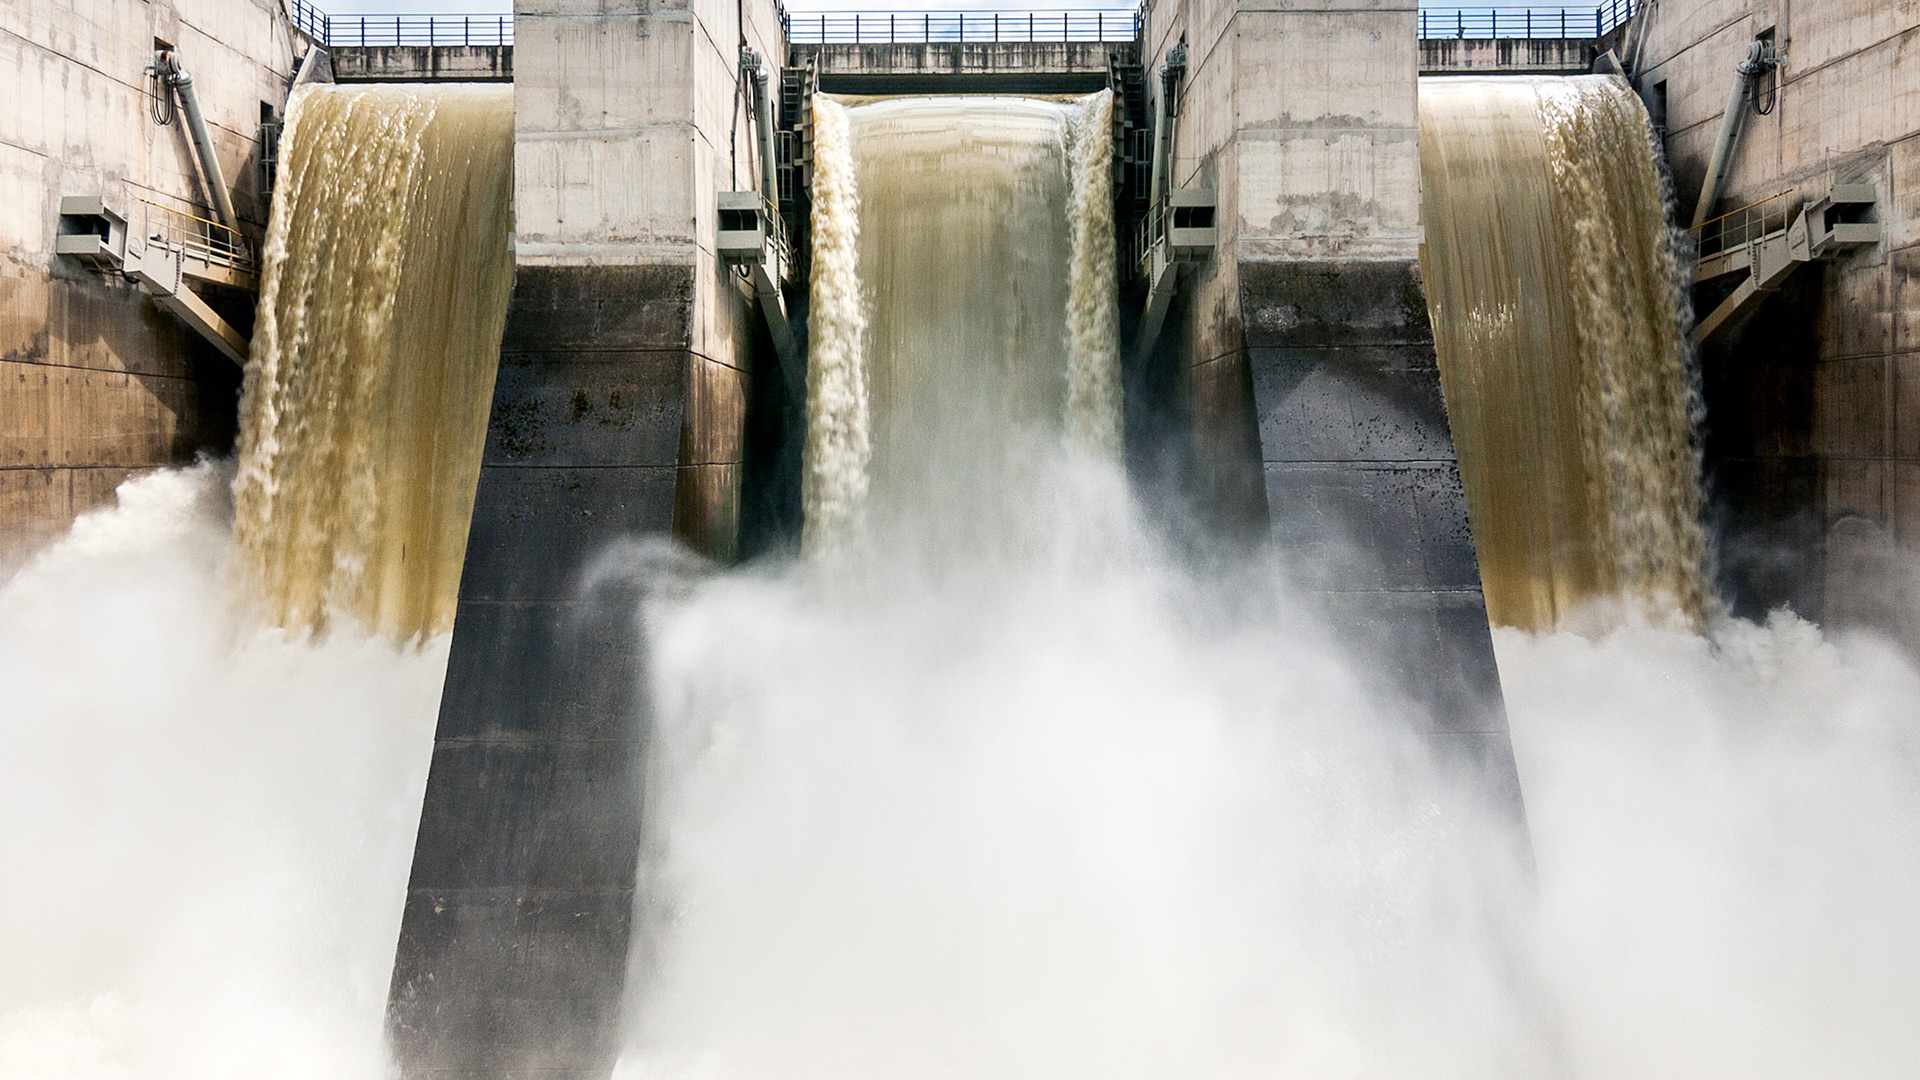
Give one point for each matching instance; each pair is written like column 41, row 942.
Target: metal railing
column 1545, row 23
column 310, row 20
column 920, row 27
column 935, row 27
column 1743, row 226
column 198, row 238
column 336, row 31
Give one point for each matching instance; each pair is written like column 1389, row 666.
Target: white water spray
column 205, row 827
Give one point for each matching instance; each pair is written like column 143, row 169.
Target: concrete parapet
column 1012, row 67
column 1507, row 56
column 423, row 63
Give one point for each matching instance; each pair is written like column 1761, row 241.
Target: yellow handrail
column 195, row 217
column 1742, row 210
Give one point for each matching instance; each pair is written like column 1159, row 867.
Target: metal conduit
column 167, row 63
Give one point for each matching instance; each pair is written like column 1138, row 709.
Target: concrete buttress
column 619, row 413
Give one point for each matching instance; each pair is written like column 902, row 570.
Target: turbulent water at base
column 963, row 301
column 1553, row 283
column 205, row 827
column 388, row 266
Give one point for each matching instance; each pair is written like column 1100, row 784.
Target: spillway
column 964, row 309
column 1552, row 281
column 387, row 271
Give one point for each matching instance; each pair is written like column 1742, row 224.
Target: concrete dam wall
column 529, row 363
column 97, row 385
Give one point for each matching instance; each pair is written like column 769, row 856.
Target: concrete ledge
column 1004, row 67
column 1507, row 56
column 423, row 63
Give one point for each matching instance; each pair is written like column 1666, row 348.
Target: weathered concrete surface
column 1310, row 381
column 1013, row 67
column 1813, row 409
column 1507, row 56
column 619, row 414
column 95, row 382
column 423, row 63
column 513, row 946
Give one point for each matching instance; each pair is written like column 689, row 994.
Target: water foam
column 1095, row 814
column 206, row 828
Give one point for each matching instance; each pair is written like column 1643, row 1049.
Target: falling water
column 1093, row 312
column 963, row 284
column 388, row 266
column 839, row 442
column 1551, row 274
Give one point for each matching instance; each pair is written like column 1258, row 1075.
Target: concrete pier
column 619, row 414
column 1305, row 352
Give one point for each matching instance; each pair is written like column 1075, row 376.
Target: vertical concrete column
column 618, row 413
column 1312, row 387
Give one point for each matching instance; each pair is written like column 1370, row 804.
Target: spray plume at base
column 205, row 826
column 1098, row 814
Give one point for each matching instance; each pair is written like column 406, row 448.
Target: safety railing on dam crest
column 372, row 31
column 929, row 27
column 1563, row 23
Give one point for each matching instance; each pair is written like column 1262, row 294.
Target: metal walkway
column 1766, row 241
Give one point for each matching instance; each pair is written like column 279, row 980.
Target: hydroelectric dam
column 1374, row 331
